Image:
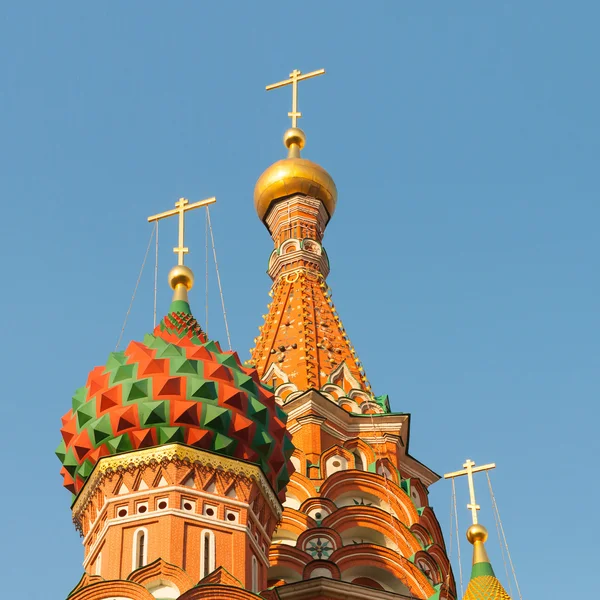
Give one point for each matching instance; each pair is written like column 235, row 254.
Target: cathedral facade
column 195, row 475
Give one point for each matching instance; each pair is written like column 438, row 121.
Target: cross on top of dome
column 181, row 207
column 295, row 77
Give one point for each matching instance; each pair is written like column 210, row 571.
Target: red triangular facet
column 69, row 431
column 143, row 438
column 172, row 387
column 216, row 371
column 199, row 438
column 232, row 397
column 152, row 366
column 82, row 445
column 96, row 381
column 108, row 399
column 198, row 353
column 124, row 419
column 185, row 413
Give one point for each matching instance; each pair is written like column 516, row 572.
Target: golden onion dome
column 294, row 175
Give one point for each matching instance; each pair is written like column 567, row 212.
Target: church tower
column 356, row 521
column 177, row 458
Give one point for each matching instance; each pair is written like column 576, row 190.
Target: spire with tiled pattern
column 303, row 344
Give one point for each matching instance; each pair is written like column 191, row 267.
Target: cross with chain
column 295, row 77
column 470, row 468
column 181, row 207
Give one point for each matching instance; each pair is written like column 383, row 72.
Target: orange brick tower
column 178, row 458
column 356, row 521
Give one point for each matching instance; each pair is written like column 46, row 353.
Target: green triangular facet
column 288, row 447
column 228, row 360
column 85, row 470
column 200, row 389
column 170, row 350
column 79, row 398
column 61, row 451
column 149, row 340
column 183, row 366
column 100, row 429
column 123, row 373
column 137, row 390
column 167, row 435
column 282, row 479
column 157, row 343
column 223, row 444
column 216, row 418
column 115, row 359
column 85, row 413
column 258, row 411
column 281, row 414
column 121, row 443
column 211, row 347
column 70, row 462
column 153, row 413
column 245, row 382
column 262, row 442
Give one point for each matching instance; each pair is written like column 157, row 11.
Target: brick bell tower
column 357, row 523
column 178, row 458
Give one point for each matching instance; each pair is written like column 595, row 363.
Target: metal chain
column 495, row 506
column 137, row 283
column 462, row 591
column 156, row 274
column 212, row 237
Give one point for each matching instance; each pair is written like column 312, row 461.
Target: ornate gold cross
column 181, row 207
column 295, row 77
column 470, row 468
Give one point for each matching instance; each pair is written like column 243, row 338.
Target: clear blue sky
column 464, row 140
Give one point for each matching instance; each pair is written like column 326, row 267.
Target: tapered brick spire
column 303, row 344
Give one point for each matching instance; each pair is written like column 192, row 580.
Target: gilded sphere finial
column 477, row 533
column 181, row 275
column 296, row 136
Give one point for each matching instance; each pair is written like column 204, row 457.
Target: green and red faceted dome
column 175, row 387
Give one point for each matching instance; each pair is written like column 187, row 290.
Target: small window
column 232, row 516
column 207, row 553
column 254, row 575
column 140, row 548
column 141, row 507
column 187, row 504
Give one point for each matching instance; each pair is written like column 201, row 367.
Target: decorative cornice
column 112, row 465
column 298, row 259
column 324, row 587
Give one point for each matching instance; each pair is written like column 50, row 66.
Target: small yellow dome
column 294, row 175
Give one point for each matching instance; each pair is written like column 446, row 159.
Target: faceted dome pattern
column 176, row 386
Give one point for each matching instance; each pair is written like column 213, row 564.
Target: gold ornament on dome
column 294, row 174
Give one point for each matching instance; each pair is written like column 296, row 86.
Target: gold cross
column 469, row 470
column 295, row 77
column 181, row 207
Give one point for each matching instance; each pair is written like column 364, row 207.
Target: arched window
column 358, row 461
column 207, row 553
column 140, row 548
column 99, row 564
column 255, row 575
